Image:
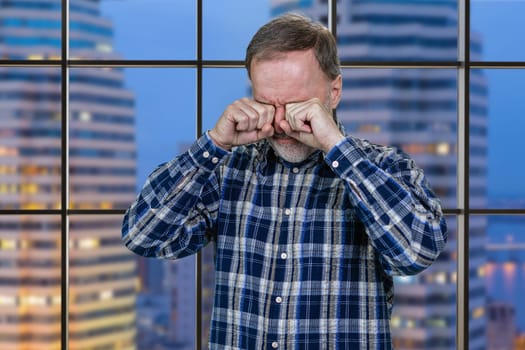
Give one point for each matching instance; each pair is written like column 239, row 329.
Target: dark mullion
column 466, row 181
column 240, row 64
column 198, row 258
column 463, row 266
column 64, row 199
column 447, row 211
column 332, row 17
column 399, row 64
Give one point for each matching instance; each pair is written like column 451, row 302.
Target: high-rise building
column 501, row 330
column 102, row 155
column 416, row 109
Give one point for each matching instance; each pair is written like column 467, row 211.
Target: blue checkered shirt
column 305, row 253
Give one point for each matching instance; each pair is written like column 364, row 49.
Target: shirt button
column 335, row 163
column 206, row 154
column 215, row 160
column 284, row 256
column 275, row 345
column 295, row 170
column 287, row 211
column 278, row 300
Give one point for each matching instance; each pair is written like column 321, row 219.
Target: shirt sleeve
column 175, row 212
column 401, row 214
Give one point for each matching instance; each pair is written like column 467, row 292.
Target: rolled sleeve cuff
column 343, row 159
column 344, row 155
column 205, row 154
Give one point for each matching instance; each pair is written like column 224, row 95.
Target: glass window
column 30, row 281
column 495, row 28
column 124, row 123
column 502, row 270
column 30, row 30
column 30, row 131
column 397, row 30
column 216, row 97
column 402, row 86
column 134, row 29
column 496, row 138
column 228, row 26
column 102, row 284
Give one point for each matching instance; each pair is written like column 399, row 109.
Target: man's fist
column 242, row 122
column 311, row 123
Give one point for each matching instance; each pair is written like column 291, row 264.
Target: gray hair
column 293, row 32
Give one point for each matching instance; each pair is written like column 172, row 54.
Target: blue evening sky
column 165, row 105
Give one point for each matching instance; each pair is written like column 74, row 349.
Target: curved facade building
column 103, row 283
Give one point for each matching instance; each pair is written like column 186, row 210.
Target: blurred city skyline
column 150, row 112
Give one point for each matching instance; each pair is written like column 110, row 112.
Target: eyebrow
column 263, row 102
column 272, row 104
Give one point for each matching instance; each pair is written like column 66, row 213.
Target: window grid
column 462, row 210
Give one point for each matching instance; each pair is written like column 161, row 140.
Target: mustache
column 280, row 135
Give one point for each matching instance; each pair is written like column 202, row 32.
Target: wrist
column 216, row 142
column 332, row 142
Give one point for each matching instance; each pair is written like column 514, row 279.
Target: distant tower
column 102, row 175
column 501, row 326
column 416, row 109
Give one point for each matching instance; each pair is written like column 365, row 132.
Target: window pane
column 133, row 29
column 414, row 109
column 216, row 97
column 121, row 301
column 424, row 314
column 497, row 26
column 123, row 124
column 497, row 108
column 504, row 281
column 102, row 139
column 102, row 285
column 30, row 276
column 397, row 30
column 228, row 26
column 30, row 119
column 165, row 125
column 30, row 30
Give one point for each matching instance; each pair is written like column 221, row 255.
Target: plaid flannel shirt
column 305, row 253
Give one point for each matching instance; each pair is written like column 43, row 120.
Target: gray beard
column 295, row 153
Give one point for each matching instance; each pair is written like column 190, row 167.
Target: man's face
column 292, row 77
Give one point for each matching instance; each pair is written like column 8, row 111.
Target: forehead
column 290, row 77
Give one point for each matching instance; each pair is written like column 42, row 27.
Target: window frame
column 463, row 212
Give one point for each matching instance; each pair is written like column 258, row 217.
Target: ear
column 336, row 88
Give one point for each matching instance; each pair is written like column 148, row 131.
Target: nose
column 279, row 115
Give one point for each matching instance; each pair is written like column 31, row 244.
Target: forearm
column 176, row 206
column 402, row 216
